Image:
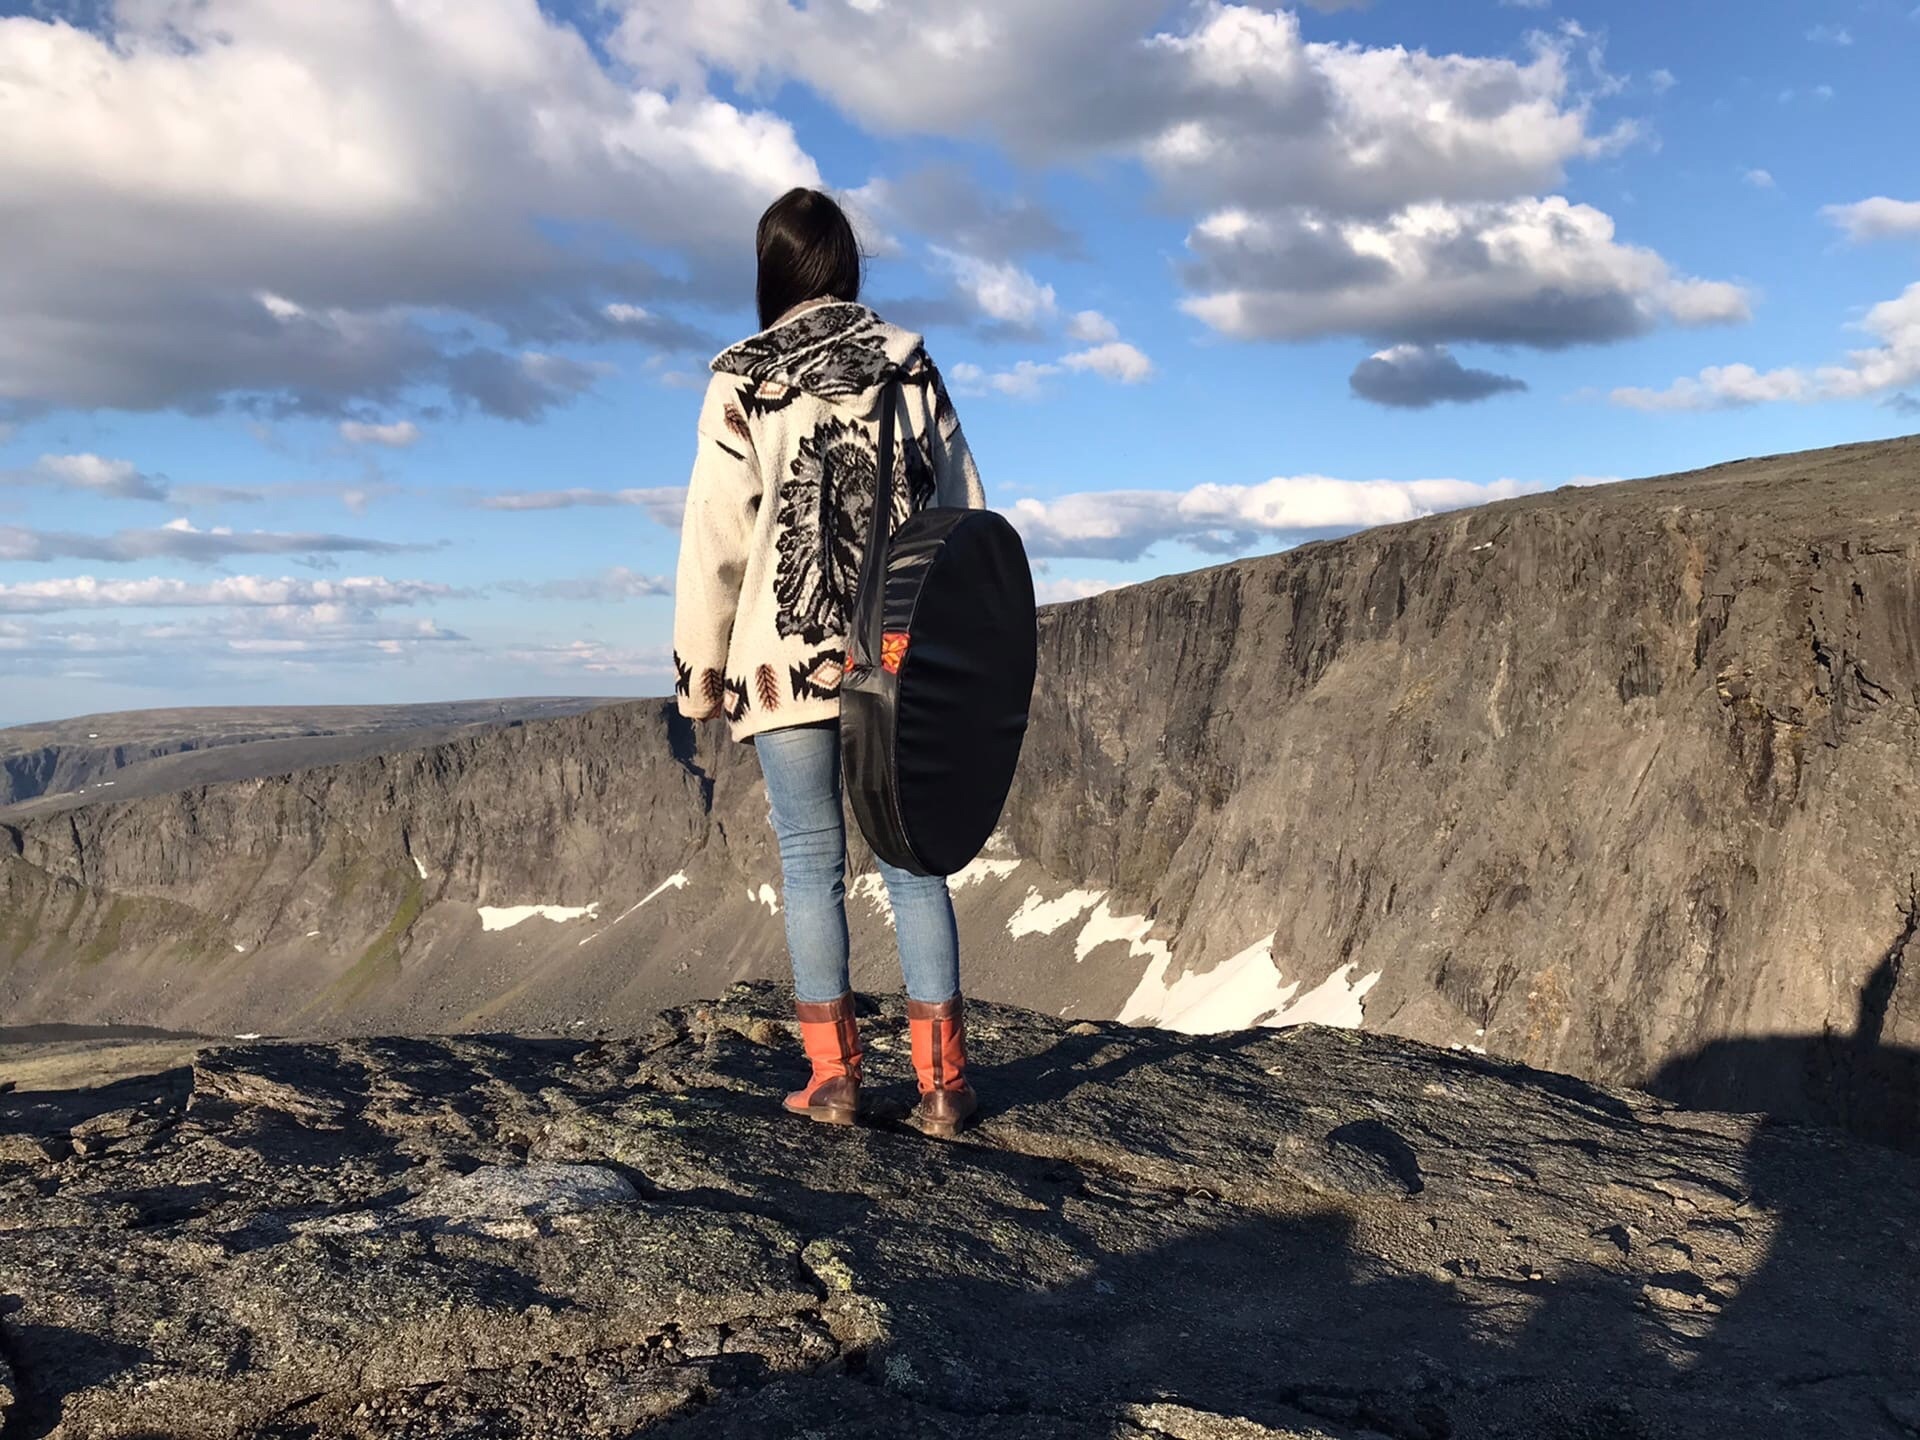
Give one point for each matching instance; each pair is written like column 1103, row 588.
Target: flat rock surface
column 1292, row 1233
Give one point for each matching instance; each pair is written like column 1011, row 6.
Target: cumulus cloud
column 1876, row 218
column 1090, row 327
column 216, row 199
column 1388, row 193
column 946, row 202
column 664, row 504
column 1415, row 377
column 593, row 657
column 233, row 644
column 1056, row 592
column 87, row 592
column 1544, row 273
column 397, row 436
column 615, row 584
column 90, row 474
column 181, row 540
column 1021, row 382
column 1000, row 291
column 1115, row 360
column 1892, row 363
column 1759, row 179
column 1230, row 519
column 1830, row 35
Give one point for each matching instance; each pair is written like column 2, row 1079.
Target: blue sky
column 350, row 353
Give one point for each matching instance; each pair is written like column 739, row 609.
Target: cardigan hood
column 838, row 352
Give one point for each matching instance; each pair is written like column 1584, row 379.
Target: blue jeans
column 802, row 768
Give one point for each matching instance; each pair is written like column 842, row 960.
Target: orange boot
column 939, row 1034
column 832, row 1043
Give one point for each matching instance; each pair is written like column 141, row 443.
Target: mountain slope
column 51, row 765
column 1623, row 781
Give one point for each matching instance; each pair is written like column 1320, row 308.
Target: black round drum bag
column 941, row 654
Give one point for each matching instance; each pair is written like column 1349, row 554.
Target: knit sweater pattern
column 779, row 504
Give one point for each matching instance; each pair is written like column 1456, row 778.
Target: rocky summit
column 1308, row 1232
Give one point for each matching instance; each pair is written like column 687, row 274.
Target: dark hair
column 807, row 249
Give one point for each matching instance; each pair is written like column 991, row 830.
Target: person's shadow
column 1855, row 1082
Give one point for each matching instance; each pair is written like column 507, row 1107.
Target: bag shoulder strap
column 870, row 607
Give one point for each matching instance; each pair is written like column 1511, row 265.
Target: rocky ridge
column 1622, row 781
column 1298, row 1233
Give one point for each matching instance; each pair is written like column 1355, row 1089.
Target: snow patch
column 766, row 895
column 1103, row 926
column 676, row 881
column 249, row 1035
column 1334, row 1001
column 505, row 917
column 312, row 934
column 420, row 865
column 873, row 889
column 240, row 949
column 1042, row 917
column 1244, row 991
column 982, row 868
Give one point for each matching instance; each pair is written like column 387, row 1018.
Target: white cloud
column 1022, row 382
column 86, row 592
column 1055, row 592
column 211, row 199
column 947, row 203
column 1000, row 290
column 1115, row 360
column 1125, row 524
column 617, row 583
column 664, row 504
column 1889, row 365
column 1092, row 328
column 396, row 436
column 182, row 540
column 1526, row 4
column 1759, row 179
column 1876, row 218
column 594, row 657
column 90, row 474
column 1539, row 272
column 1830, row 35
column 1392, row 176
column 1662, row 81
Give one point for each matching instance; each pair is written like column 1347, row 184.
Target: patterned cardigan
column 779, row 504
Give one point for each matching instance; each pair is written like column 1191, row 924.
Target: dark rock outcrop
column 1623, row 781
column 1301, row 1233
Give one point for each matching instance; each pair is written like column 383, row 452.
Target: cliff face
column 1622, row 781
column 1300, row 1234
column 1603, row 779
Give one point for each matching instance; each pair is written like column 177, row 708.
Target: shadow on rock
column 1855, row 1082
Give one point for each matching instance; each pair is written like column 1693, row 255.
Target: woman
column 776, row 524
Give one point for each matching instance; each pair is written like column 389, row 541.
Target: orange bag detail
column 893, row 650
